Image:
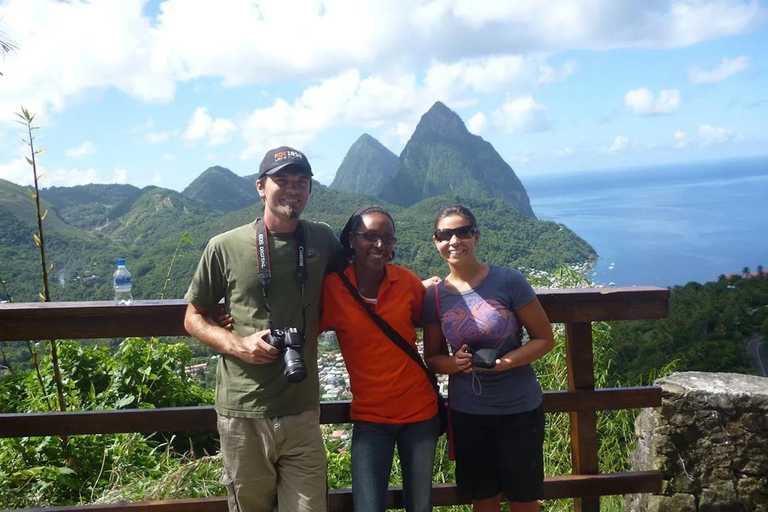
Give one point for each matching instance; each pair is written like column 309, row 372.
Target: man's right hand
column 254, row 349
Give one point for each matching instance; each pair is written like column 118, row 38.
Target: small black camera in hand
column 289, row 342
column 483, row 357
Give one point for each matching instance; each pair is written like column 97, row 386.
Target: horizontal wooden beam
column 144, row 318
column 604, row 304
column 605, row 399
column 87, row 320
column 175, row 419
column 340, row 500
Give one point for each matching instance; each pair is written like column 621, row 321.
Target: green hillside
column 221, row 189
column 88, row 206
column 146, row 230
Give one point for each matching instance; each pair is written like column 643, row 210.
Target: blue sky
column 156, row 92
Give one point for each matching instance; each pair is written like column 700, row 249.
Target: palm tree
column 6, row 44
column 745, row 272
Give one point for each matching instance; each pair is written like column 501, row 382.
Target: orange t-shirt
column 387, row 385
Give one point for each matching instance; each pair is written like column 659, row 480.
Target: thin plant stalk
column 183, row 240
column 6, row 363
column 26, row 120
column 32, row 352
column 5, row 290
column 2, row 350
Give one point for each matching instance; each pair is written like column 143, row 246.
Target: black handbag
column 392, row 334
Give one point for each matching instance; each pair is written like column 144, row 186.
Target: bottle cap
column 121, row 262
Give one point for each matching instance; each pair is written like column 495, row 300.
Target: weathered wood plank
column 581, row 377
column 174, row 419
column 87, row 320
column 340, row 500
column 602, row 304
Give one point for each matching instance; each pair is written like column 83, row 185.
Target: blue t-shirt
column 484, row 317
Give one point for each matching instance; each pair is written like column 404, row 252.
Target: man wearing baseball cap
column 269, row 273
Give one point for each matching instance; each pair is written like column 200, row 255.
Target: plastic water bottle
column 122, row 282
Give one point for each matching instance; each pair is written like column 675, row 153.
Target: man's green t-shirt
column 228, row 269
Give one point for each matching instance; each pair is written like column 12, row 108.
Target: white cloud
column 508, row 73
column 203, row 126
column 522, row 115
column 157, row 137
column 620, row 144
column 642, row 101
column 76, row 46
column 477, row 123
column 168, row 157
column 681, row 139
column 343, row 100
column 86, row 148
column 17, row 171
column 245, row 43
column 711, row 135
column 521, row 158
column 728, row 67
column 74, row 176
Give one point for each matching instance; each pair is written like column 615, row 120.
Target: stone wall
column 709, row 439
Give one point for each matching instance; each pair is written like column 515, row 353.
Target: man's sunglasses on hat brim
column 462, row 233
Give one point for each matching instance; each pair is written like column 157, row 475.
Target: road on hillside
column 758, row 351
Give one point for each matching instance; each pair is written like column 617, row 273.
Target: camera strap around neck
column 264, row 265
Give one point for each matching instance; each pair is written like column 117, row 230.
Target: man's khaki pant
column 274, row 464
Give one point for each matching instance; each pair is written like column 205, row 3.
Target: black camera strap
column 391, row 333
column 264, row 265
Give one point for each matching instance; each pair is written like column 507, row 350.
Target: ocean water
column 663, row 226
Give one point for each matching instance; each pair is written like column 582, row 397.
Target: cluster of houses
column 334, row 379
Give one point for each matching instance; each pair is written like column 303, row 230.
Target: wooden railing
column 575, row 308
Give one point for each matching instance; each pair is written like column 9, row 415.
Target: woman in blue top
column 498, row 421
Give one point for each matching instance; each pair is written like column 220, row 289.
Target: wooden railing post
column 581, row 377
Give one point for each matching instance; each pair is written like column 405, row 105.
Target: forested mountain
column 146, row 226
column 366, row 168
column 220, row 188
column 88, row 206
column 443, row 158
column 89, row 227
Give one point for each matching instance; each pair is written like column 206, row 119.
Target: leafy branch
column 26, row 119
column 6, row 44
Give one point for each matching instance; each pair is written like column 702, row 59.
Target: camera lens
column 293, row 366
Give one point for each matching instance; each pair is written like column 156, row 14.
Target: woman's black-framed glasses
column 372, row 237
column 462, row 233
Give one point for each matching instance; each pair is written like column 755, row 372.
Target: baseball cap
column 280, row 158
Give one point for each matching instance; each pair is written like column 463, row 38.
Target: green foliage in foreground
column 36, row 472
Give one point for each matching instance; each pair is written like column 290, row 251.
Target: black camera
column 483, row 357
column 289, row 342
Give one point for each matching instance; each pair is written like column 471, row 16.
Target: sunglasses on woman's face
column 462, row 233
column 372, row 237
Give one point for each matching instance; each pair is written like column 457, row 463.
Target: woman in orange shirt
column 393, row 402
